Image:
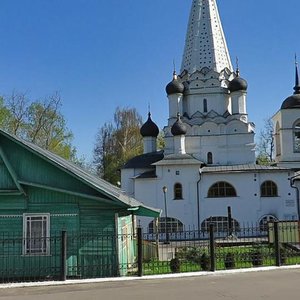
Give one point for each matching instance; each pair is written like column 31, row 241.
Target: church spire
column 205, row 44
column 297, row 86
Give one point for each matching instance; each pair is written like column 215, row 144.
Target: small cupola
column 238, row 83
column 178, row 128
column 294, row 100
column 149, row 128
column 175, row 86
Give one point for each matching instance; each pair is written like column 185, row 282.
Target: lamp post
column 166, row 214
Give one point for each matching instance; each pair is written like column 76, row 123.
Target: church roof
column 144, row 161
column 242, row 168
column 205, row 44
column 294, row 100
column 178, row 159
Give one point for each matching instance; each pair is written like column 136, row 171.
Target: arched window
column 268, row 189
column 221, row 189
column 177, row 191
column 205, row 105
column 209, row 158
column 277, row 140
column 172, row 224
column 263, row 222
column 220, row 224
column 297, row 136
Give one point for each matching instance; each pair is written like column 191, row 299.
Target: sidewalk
column 151, row 277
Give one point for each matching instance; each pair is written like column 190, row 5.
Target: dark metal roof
column 175, row 86
column 178, row 128
column 294, row 100
column 238, row 84
column 97, row 183
column 144, row 161
column 148, row 174
column 149, row 128
column 242, row 168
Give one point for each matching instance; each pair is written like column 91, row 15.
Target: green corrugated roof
column 98, row 184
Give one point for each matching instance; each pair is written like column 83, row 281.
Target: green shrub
column 175, row 265
column 229, row 260
column 257, row 258
column 205, row 262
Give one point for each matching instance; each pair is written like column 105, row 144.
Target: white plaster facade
column 218, row 146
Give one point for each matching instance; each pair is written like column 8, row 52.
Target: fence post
column 277, row 244
column 212, row 247
column 63, row 271
column 140, row 251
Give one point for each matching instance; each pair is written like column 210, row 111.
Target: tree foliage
column 40, row 122
column 265, row 145
column 117, row 142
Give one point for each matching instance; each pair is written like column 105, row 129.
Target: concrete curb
column 165, row 276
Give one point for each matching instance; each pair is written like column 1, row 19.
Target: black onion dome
column 149, row 128
column 291, row 102
column 175, row 86
column 294, row 100
column 178, row 128
column 238, row 84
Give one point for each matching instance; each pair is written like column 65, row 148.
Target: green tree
column 265, row 145
column 40, row 122
column 117, row 142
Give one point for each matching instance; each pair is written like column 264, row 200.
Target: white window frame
column 28, row 239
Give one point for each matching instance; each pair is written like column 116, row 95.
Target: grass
column 189, row 259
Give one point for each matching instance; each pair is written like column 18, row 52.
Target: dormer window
column 297, row 137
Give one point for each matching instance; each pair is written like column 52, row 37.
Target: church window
column 171, row 224
column 209, row 158
column 221, row 189
column 263, row 223
column 277, row 140
column 178, row 191
column 205, row 105
column 220, row 224
column 268, row 189
column 297, row 137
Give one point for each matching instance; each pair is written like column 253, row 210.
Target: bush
column 229, row 260
column 283, row 255
column 205, row 262
column 257, row 258
column 175, row 265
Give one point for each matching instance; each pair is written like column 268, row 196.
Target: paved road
column 275, row 285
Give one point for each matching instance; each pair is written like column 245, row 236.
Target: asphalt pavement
column 275, row 285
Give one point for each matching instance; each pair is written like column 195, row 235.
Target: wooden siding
column 32, row 168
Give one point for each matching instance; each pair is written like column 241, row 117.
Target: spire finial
column 149, row 111
column 174, row 70
column 237, row 67
column 297, row 86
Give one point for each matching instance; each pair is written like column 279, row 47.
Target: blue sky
column 101, row 54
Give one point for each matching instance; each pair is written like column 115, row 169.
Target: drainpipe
column 297, row 194
column 198, row 200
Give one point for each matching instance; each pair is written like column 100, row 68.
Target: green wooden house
column 42, row 195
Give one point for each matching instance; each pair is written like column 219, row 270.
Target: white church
column 208, row 166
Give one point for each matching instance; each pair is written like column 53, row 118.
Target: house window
column 171, row 224
column 209, row 158
column 178, row 191
column 268, row 189
column 36, row 229
column 221, row 189
column 220, row 224
column 297, row 137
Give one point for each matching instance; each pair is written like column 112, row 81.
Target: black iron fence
column 73, row 255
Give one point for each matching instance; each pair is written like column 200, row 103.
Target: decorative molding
column 11, row 216
column 63, row 215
